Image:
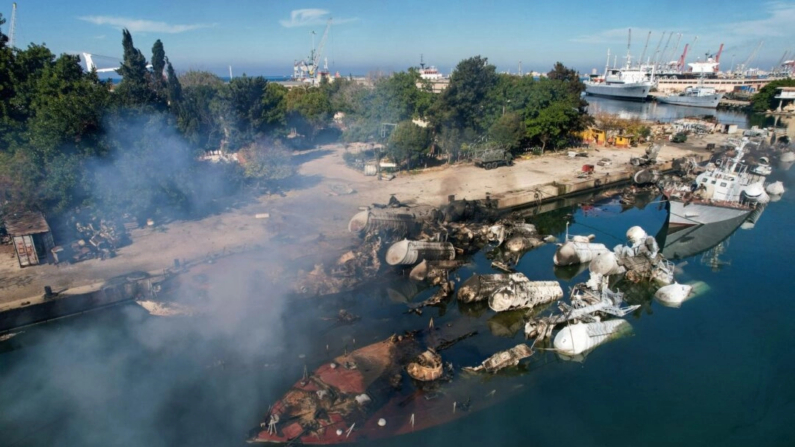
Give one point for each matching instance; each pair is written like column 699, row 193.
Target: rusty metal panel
column 26, row 250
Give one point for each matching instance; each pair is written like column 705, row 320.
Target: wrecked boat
column 586, row 305
column 480, row 287
column 426, row 367
column 326, row 406
column 408, row 252
column 580, row 338
column 577, row 250
column 503, row 359
column 521, row 293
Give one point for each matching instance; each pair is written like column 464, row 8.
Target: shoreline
column 298, row 219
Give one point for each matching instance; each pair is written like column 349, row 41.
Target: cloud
column 311, row 17
column 778, row 23
column 617, row 35
column 143, row 26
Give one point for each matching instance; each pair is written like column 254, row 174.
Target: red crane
column 681, row 63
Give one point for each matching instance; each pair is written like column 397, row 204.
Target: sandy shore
column 302, row 213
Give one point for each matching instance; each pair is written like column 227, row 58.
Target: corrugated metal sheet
column 25, row 222
column 26, row 250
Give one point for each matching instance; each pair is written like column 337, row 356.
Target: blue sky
column 266, row 36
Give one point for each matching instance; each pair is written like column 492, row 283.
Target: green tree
column 193, row 78
column 765, row 100
column 158, row 61
column 308, row 110
column 134, row 88
column 551, row 125
column 408, row 143
column 465, row 102
column 266, row 162
column 173, row 87
column 507, row 131
column 274, row 107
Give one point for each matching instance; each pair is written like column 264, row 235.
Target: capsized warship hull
column 367, row 395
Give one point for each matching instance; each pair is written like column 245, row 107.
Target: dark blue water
column 717, row 371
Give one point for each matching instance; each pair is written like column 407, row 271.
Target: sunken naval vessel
column 725, row 191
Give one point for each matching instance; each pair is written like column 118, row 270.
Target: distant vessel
column 725, row 191
column 430, row 72
column 698, row 96
column 621, row 83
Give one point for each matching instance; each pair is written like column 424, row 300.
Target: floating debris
column 673, row 295
column 580, row 338
column 503, row 359
column 164, row 309
column 525, row 294
column 775, row 188
column 577, row 250
column 426, row 367
column 586, row 305
column 408, row 252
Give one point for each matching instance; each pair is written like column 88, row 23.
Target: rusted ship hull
column 394, row 408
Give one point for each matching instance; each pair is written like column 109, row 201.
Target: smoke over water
column 123, row 377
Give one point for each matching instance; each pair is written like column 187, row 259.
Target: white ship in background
column 629, row 82
column 430, row 72
column 726, row 191
column 697, row 96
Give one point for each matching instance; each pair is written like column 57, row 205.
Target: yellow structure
column 593, row 135
column 623, row 141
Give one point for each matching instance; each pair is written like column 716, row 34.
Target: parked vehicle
column 493, row 158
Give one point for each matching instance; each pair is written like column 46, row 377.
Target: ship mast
column 629, row 41
column 643, row 55
column 607, row 64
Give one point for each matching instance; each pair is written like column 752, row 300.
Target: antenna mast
column 629, row 41
column 643, row 55
column 13, row 25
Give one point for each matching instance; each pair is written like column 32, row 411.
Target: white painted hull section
column 637, row 91
column 709, row 101
column 699, row 214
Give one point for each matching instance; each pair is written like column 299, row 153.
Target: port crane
column 743, row 68
column 309, row 70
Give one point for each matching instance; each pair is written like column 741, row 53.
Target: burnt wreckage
column 404, row 383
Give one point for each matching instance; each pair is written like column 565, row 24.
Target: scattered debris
column 408, row 252
column 166, row 309
column 426, row 367
column 673, row 295
column 581, row 338
column 520, row 292
column 503, row 359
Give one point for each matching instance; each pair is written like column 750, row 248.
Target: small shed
column 623, row 141
column 593, row 135
column 32, row 236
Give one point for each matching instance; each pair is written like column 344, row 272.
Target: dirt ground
column 312, row 209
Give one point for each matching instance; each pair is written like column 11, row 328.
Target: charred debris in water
column 405, row 383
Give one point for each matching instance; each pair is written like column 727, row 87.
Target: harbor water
column 717, row 371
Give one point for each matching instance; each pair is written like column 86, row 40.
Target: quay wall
column 41, row 309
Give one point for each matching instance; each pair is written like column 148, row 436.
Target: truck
column 491, row 158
